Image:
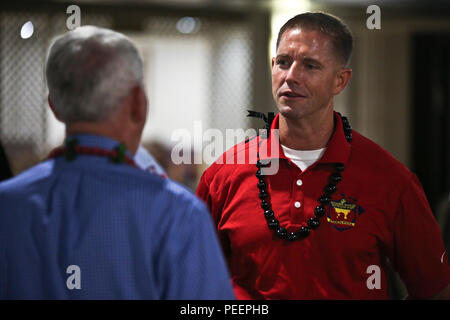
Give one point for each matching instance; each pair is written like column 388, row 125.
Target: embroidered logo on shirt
column 342, row 213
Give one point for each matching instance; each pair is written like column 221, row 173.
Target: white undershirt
column 303, row 158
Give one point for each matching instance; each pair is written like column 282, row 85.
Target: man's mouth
column 291, row 94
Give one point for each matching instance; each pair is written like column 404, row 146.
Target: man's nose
column 294, row 73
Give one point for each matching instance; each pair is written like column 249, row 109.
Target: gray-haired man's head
column 89, row 71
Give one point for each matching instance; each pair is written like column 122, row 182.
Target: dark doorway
column 431, row 114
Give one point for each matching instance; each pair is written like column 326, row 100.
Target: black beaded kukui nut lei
column 325, row 199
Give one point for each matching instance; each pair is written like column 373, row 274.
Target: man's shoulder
column 382, row 162
column 29, row 176
column 182, row 195
column 154, row 189
column 126, row 177
column 147, row 190
column 158, row 187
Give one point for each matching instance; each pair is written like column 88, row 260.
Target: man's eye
column 311, row 66
column 282, row 62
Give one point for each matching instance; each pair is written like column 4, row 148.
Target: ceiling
column 399, row 6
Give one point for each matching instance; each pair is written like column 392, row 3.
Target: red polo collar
column 338, row 149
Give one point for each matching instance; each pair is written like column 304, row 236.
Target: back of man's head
column 89, row 71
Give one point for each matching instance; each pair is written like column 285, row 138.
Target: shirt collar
column 91, row 140
column 338, row 149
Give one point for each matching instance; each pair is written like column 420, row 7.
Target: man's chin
column 290, row 112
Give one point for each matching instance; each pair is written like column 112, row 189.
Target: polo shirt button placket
column 298, row 204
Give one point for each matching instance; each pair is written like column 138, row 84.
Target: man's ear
column 343, row 77
column 138, row 105
column 52, row 107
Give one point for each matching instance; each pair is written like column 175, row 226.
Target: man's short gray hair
column 89, row 71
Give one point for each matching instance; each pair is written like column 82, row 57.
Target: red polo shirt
column 379, row 211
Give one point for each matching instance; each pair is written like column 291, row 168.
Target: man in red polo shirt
column 338, row 206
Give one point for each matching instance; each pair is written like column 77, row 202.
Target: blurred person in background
column 184, row 173
column 88, row 223
column 324, row 225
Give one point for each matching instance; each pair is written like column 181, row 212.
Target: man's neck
column 103, row 130
column 307, row 133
